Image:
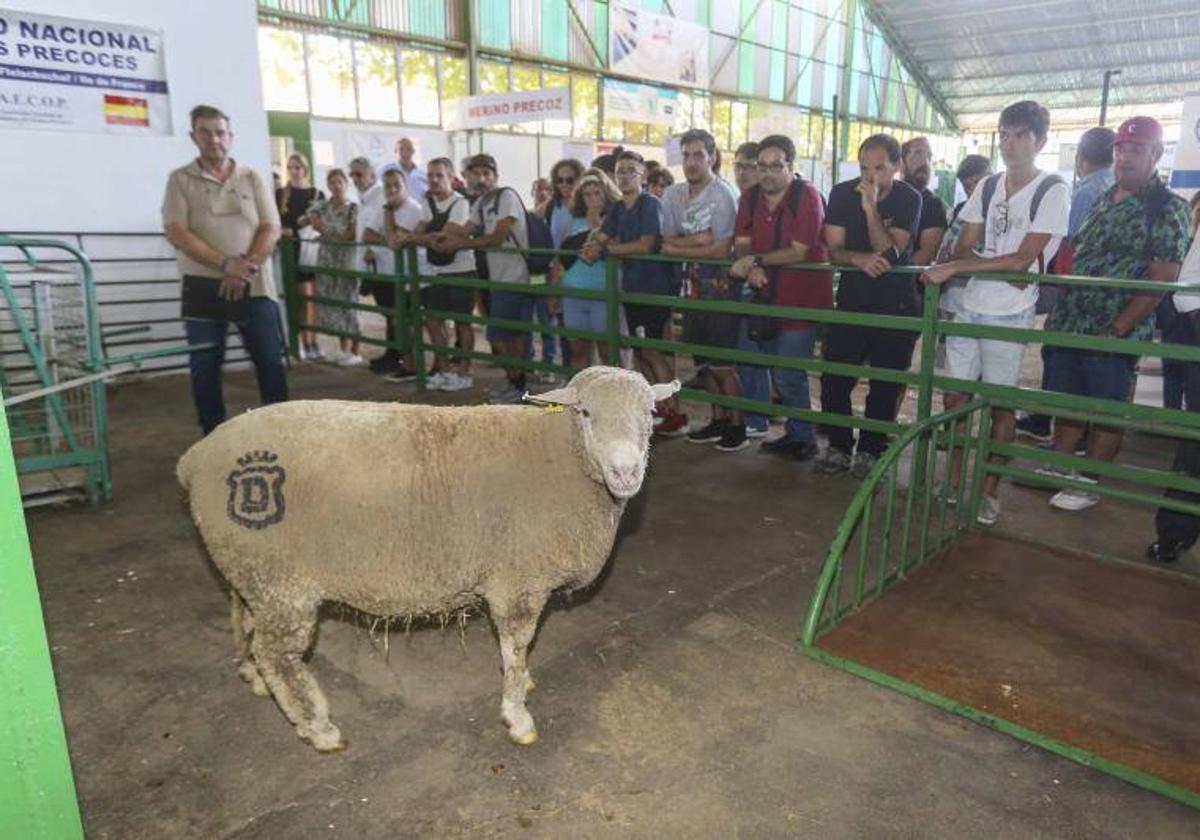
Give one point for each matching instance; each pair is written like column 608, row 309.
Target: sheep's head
column 614, row 409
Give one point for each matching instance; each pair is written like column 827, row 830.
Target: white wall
column 71, row 181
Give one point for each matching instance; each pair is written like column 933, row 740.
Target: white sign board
column 664, row 49
column 513, row 107
column 1186, row 174
column 67, row 74
column 639, row 103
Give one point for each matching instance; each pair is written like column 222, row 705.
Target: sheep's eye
column 585, row 413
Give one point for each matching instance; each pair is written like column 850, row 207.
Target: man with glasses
column 698, row 222
column 779, row 222
column 1020, row 217
column 916, row 158
column 634, row 226
column 745, row 166
column 224, row 224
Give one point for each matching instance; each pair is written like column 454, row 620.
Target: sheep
column 403, row 511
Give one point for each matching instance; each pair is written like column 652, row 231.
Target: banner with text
column 513, row 107
column 649, row 46
column 66, row 74
column 1186, row 174
column 639, row 103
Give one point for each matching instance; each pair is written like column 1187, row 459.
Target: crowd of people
column 1117, row 220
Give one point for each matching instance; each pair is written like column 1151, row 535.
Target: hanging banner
column 1186, row 174
column 657, row 47
column 639, row 103
column 67, row 74
column 513, row 107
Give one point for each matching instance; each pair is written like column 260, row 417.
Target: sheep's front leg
column 516, row 624
column 281, row 638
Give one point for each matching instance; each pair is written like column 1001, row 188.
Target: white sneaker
column 1074, row 500
column 756, row 433
column 1055, row 471
column 989, row 510
column 333, row 357
column 457, row 382
column 350, row 360
column 436, row 382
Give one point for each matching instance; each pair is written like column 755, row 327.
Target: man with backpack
column 444, row 217
column 779, row 222
column 1138, row 230
column 1020, row 217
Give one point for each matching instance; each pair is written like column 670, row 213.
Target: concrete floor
column 670, row 700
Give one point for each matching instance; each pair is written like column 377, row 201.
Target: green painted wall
column 37, row 792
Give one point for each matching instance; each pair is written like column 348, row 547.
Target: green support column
column 37, row 792
column 851, row 12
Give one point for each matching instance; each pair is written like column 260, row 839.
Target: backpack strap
column 1048, row 183
column 1157, row 199
column 989, row 190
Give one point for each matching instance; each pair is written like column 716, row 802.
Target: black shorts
column 457, row 299
column 647, row 321
column 714, row 329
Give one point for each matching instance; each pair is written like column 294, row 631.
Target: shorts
column 583, row 314
column 713, row 329
column 457, row 299
column 1105, row 376
column 511, row 306
column 647, row 321
column 987, row 359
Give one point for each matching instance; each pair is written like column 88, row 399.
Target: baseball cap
column 482, row 161
column 1139, row 130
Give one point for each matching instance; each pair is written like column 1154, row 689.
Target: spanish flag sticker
column 126, row 110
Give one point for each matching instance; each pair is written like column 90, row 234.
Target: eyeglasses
column 566, row 179
column 774, row 168
column 628, row 173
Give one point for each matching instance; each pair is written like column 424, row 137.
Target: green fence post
column 929, row 339
column 288, row 262
column 37, row 793
column 400, row 303
column 612, row 308
column 416, row 319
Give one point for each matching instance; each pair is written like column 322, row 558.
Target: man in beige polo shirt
column 222, row 220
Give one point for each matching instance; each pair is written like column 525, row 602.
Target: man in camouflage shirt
column 1138, row 230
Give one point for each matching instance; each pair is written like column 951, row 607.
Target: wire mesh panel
column 49, row 355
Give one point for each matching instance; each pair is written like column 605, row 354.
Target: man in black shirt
column 871, row 224
column 916, row 155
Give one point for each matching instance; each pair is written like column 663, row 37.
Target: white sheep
column 413, row 510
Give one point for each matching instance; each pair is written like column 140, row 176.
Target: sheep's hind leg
column 243, row 627
column 282, row 635
column 516, row 624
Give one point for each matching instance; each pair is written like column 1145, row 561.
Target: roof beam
column 914, row 67
column 992, row 11
column 932, row 60
column 1112, row 103
column 1081, row 89
column 1059, row 27
column 1074, row 68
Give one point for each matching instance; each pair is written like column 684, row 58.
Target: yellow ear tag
column 554, row 408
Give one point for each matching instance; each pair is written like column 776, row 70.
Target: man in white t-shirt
column 400, row 216
column 498, row 217
column 1021, row 216
column 445, row 217
column 370, row 217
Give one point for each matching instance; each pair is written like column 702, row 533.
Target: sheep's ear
column 663, row 390
column 559, row 396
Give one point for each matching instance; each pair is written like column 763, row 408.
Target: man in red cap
column 1137, row 230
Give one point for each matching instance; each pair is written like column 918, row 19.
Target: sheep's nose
column 626, row 475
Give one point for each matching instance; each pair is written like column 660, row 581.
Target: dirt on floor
column 670, row 699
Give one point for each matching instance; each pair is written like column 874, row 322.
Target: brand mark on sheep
column 256, row 490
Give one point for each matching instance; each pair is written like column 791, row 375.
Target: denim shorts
column 1105, row 376
column 987, row 359
column 511, row 306
column 582, row 314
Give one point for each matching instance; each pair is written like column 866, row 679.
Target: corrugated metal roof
column 980, row 55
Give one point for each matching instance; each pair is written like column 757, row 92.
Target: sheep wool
column 411, row 510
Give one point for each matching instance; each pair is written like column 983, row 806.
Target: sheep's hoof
column 325, row 740
column 524, row 738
